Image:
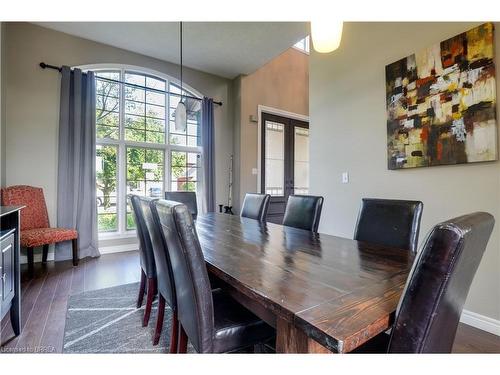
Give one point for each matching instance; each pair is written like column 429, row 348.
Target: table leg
column 290, row 339
column 15, row 315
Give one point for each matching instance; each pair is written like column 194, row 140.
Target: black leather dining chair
column 389, row 222
column 186, row 197
column 430, row 307
column 303, row 212
column 148, row 267
column 213, row 321
column 164, row 275
column 255, row 206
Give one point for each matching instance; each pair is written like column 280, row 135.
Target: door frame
column 273, row 111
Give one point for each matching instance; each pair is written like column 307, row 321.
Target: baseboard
column 37, row 258
column 118, row 248
column 481, row 322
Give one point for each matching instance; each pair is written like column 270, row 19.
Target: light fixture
column 326, row 34
column 180, row 111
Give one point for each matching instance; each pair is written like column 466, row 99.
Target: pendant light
column 180, row 111
column 326, row 34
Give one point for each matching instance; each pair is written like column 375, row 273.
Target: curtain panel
column 208, row 144
column 76, row 193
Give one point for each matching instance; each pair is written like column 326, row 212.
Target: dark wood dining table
column 322, row 293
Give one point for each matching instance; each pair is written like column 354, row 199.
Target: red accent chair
column 35, row 227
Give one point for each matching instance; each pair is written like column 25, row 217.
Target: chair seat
column 235, row 327
column 45, row 236
column 377, row 345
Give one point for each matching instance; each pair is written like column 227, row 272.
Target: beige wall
column 283, row 83
column 348, row 133
column 32, row 101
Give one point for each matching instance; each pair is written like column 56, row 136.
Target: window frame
column 122, row 144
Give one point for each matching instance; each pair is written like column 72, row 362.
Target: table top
column 341, row 292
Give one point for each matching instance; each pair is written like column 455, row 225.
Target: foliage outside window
column 138, row 150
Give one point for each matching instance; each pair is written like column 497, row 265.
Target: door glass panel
column 275, row 158
column 301, row 161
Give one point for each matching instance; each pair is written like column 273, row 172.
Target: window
column 106, row 176
column 138, row 149
column 303, row 45
column 275, row 158
column 144, row 175
column 185, row 168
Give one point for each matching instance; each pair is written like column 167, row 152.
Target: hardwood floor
column 44, row 300
column 473, row 340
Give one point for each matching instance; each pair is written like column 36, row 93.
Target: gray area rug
column 107, row 321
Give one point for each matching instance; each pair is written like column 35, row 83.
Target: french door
column 284, row 161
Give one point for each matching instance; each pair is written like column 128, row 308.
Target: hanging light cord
column 181, row 56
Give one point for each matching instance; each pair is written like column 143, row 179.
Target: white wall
column 32, row 102
column 348, row 133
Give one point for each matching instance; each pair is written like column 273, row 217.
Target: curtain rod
column 59, row 69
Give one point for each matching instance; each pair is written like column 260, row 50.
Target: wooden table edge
column 345, row 344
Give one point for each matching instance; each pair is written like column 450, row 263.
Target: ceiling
column 226, row 49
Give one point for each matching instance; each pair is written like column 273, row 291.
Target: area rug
column 107, row 321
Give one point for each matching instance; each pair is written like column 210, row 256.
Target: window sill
column 115, row 236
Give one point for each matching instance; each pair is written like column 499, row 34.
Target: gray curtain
column 76, row 195
column 208, row 143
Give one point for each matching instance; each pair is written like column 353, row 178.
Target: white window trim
column 121, row 144
column 140, row 69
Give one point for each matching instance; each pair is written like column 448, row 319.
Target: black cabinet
column 7, row 270
column 10, row 276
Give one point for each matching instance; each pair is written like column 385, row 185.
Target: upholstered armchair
column 35, row 228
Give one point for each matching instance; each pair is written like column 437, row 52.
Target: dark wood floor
column 44, row 300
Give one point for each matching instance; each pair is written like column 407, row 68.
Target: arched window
column 138, row 149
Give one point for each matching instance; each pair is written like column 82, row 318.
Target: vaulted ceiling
column 226, row 49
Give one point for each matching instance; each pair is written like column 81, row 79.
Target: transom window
column 303, row 45
column 138, row 149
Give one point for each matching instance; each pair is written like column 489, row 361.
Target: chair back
column 389, row 222
column 186, row 197
column 255, row 206
column 303, row 212
column 192, row 285
column 145, row 245
column 430, row 308
column 34, row 215
column 163, row 266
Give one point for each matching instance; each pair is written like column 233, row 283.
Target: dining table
column 322, row 293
